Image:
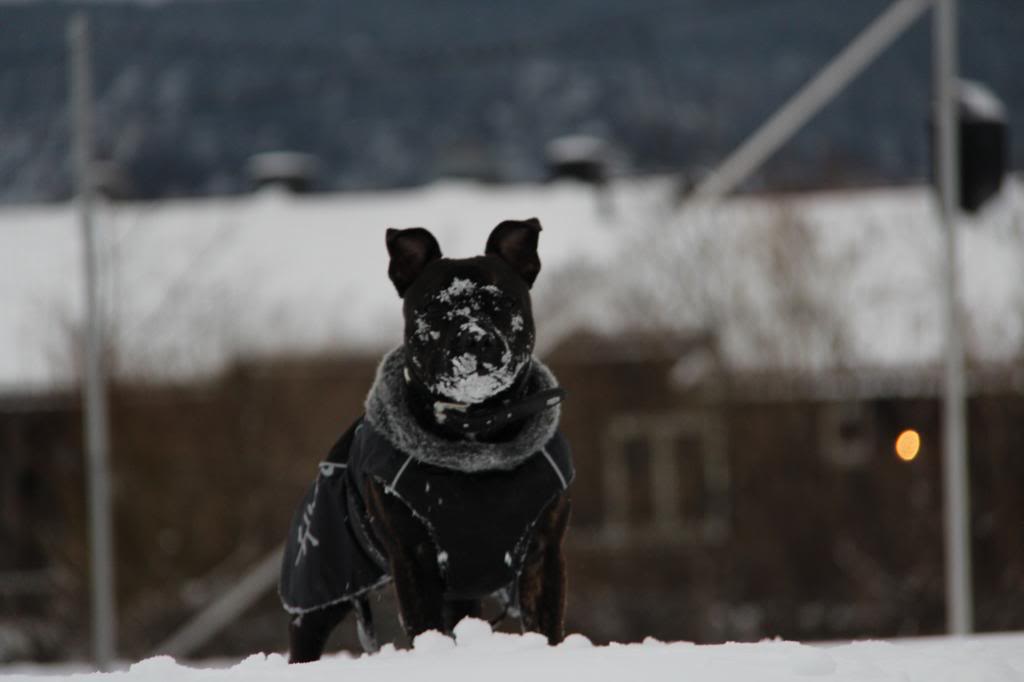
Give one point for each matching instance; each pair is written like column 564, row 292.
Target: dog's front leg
column 457, row 609
column 308, row 633
column 542, row 581
column 412, row 555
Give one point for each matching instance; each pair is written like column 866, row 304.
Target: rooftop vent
column 580, row 157
column 984, row 144
column 294, row 171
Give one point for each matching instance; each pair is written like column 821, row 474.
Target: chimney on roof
column 579, row 157
column 294, row 171
column 984, row 144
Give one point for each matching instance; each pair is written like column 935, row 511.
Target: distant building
column 736, row 380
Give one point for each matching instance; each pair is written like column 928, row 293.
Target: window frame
column 661, row 431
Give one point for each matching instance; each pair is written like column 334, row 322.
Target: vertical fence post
column 94, row 394
column 956, row 507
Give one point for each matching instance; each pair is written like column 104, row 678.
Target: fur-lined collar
column 388, row 413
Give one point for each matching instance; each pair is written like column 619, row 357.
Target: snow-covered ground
column 477, row 655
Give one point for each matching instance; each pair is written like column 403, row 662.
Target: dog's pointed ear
column 411, row 250
column 515, row 242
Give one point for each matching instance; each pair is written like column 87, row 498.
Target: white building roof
column 813, row 281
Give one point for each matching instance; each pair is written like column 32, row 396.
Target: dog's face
column 468, row 322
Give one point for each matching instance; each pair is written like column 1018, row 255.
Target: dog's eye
column 498, row 303
column 433, row 309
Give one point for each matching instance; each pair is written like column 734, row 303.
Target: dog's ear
column 515, row 242
column 411, row 250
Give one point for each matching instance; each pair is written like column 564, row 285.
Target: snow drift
column 478, row 654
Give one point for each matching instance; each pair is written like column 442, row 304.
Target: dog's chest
column 480, row 521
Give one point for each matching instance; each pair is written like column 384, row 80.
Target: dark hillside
column 395, row 92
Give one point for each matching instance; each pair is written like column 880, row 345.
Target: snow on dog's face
column 468, row 340
column 468, row 323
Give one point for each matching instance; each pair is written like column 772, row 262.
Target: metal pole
column 228, row 607
column 830, row 81
column 94, row 394
column 959, row 600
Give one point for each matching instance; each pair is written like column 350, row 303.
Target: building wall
column 817, row 530
column 39, row 464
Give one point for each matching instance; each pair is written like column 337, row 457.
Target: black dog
column 453, row 483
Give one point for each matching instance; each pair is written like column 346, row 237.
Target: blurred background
column 755, row 383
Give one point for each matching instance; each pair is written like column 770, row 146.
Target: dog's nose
column 486, row 348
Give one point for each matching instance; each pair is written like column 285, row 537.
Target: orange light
column 908, row 444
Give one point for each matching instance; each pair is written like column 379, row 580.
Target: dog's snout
column 484, row 346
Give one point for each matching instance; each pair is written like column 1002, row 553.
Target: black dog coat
column 480, row 520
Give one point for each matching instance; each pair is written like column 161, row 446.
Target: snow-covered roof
column 191, row 283
column 978, row 102
column 811, row 281
column 839, row 280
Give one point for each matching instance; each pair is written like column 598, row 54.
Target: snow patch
column 464, row 364
column 476, row 653
column 576, row 641
column 262, row 661
column 458, row 287
column 471, row 631
column 424, row 331
column 470, row 387
column 466, row 384
column 472, row 326
column 432, row 641
column 154, row 666
column 387, row 650
column 808, row 660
